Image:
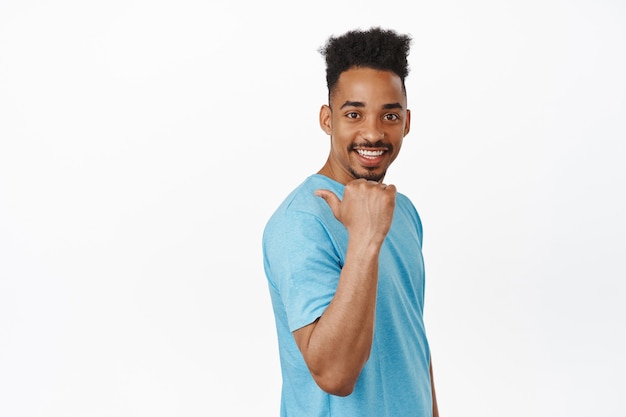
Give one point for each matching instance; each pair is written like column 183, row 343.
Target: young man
column 342, row 253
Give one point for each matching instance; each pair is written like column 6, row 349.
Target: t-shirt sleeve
column 303, row 265
column 411, row 211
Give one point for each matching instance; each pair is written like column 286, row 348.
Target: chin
column 369, row 175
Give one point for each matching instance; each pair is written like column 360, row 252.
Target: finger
column 331, row 199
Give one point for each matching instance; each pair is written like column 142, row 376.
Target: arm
column 337, row 345
column 432, row 386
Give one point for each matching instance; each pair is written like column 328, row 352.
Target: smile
column 369, row 154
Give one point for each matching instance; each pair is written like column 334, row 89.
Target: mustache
column 379, row 144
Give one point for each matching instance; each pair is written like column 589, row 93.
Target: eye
column 392, row 117
column 352, row 115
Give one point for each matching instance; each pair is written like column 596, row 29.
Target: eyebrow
column 388, row 106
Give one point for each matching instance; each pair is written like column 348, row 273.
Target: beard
column 368, row 175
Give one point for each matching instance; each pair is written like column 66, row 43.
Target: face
column 366, row 120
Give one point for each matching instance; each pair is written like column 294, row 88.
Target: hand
column 366, row 209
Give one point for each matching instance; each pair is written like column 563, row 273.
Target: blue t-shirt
column 304, row 248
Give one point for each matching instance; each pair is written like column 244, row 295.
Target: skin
column 367, row 111
column 337, row 345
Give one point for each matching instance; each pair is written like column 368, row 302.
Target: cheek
column 343, row 136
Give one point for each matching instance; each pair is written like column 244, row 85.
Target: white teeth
column 369, row 154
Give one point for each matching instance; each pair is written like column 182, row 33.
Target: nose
column 372, row 130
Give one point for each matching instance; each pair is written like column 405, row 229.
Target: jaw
column 372, row 175
column 346, row 171
column 371, row 164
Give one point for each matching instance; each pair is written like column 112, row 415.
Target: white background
column 143, row 145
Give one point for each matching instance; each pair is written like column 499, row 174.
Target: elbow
column 337, row 374
column 340, row 390
column 338, row 385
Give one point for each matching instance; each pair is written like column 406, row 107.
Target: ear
column 407, row 125
column 326, row 119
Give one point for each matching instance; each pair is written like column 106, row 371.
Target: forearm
column 432, row 386
column 337, row 346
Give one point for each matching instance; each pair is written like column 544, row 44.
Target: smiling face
column 366, row 120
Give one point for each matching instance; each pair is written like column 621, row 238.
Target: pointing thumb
column 331, row 199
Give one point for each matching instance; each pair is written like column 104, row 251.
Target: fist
column 366, row 209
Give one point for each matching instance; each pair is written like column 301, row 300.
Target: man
column 342, row 253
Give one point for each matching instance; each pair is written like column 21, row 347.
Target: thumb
column 331, row 199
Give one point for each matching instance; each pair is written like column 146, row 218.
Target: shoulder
column 303, row 207
column 404, row 203
column 407, row 210
column 302, row 235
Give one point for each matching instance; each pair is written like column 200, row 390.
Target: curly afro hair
column 375, row 48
